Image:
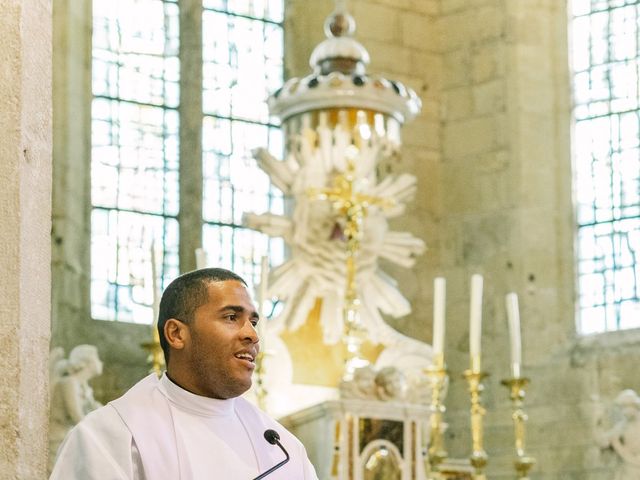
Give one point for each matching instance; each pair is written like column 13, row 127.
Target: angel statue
column 624, row 437
column 71, row 396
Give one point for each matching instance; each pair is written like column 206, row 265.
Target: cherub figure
column 362, row 385
column 624, row 437
column 391, row 384
column 71, row 396
column 386, row 384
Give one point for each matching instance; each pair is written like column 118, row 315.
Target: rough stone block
column 449, row 6
column 471, row 27
column 397, row 4
column 488, row 62
column 419, row 32
column 376, row 21
column 457, row 103
column 422, row 133
column 469, row 137
column 429, row 7
column 389, row 59
column 489, row 97
column 427, row 66
column 456, row 68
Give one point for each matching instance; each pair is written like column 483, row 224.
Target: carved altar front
column 357, row 439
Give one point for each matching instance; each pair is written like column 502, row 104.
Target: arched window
column 606, row 82
column 135, row 167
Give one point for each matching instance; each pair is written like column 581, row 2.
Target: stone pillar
column 507, row 212
column 25, row 210
column 190, row 216
column 71, row 199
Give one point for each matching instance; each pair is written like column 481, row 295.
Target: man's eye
column 231, row 316
column 254, row 323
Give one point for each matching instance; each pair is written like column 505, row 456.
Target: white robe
column 159, row 431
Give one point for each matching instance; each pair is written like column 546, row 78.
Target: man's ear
column 176, row 333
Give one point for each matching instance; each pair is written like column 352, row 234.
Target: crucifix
column 352, row 207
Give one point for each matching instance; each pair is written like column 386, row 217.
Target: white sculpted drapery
column 316, row 234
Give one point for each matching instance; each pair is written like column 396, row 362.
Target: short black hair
column 185, row 294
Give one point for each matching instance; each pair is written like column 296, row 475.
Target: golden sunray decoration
column 351, row 206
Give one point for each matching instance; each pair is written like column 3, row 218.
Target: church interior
column 415, row 190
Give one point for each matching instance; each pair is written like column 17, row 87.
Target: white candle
column 262, row 298
column 201, row 258
column 439, row 296
column 475, row 321
column 155, row 285
column 513, row 315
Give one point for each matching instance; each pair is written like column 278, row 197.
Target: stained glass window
column 135, row 130
column 606, row 81
column 242, row 55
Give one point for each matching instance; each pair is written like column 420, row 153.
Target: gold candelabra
column 156, row 355
column 437, row 375
column 523, row 462
column 335, row 462
column 261, row 390
column 478, row 456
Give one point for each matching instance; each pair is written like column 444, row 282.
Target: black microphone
column 273, row 438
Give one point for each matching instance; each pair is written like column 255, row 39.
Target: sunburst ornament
column 318, row 236
column 340, row 123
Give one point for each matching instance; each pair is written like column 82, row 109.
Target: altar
column 356, row 439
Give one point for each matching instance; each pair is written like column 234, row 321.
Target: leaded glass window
column 242, row 55
column 135, row 130
column 606, row 81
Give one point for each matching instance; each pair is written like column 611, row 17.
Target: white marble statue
column 412, row 357
column 71, row 396
column 387, row 384
column 362, row 385
column 316, row 233
column 624, row 437
column 398, row 374
column 391, row 384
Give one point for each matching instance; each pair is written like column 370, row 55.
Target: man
column 190, row 423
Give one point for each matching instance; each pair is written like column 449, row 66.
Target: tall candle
column 513, row 316
column 262, row 298
column 439, row 296
column 154, row 285
column 475, row 321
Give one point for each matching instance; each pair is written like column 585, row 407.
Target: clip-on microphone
column 273, row 438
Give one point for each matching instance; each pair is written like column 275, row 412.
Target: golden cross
column 353, row 206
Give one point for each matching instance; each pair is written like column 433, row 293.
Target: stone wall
column 491, row 151
column 25, row 217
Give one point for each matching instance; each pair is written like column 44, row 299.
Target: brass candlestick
column 523, row 462
column 437, row 375
column 335, row 463
column 156, row 355
column 478, row 456
column 261, row 390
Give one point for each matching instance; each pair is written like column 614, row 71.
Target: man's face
column 223, row 342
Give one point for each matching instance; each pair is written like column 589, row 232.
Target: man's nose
column 249, row 332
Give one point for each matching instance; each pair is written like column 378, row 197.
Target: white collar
column 196, row 404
